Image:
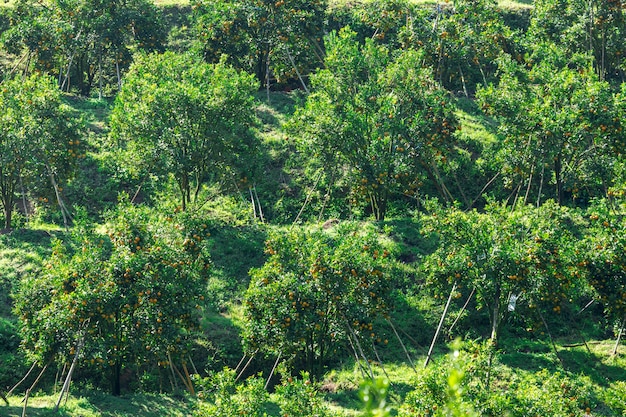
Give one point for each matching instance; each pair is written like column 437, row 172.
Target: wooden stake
column 406, row 352
column 358, row 345
column 240, row 362
column 379, row 360
column 66, row 385
column 25, row 403
column 619, row 336
column 246, row 365
column 462, row 310
column 193, row 366
column 551, row 339
column 22, row 380
column 273, row 369
column 443, row 316
column 356, row 357
column 39, row 376
column 174, row 368
column 191, row 390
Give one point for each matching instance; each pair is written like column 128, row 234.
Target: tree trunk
column 495, row 322
column 8, row 212
column 559, row 180
column 116, row 379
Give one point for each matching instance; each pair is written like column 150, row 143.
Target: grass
column 21, row 253
column 95, row 111
column 505, row 4
column 169, row 3
column 602, row 373
column 97, row 404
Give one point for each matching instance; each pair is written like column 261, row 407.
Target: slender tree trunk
column 559, row 180
column 495, row 321
column 267, row 73
column 100, row 75
column 116, row 379
column 119, row 75
column 64, row 211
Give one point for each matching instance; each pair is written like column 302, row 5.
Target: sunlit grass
column 99, row 405
column 166, row 3
column 505, row 4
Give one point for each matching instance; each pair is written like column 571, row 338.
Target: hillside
column 295, row 208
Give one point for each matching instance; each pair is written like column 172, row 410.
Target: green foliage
column 592, row 27
column 559, row 125
column 300, row 397
column 223, row 396
column 461, row 42
column 128, row 298
column 11, row 360
column 382, row 121
column 282, row 37
column 505, row 253
column 603, row 256
column 178, row 116
column 39, row 140
column 83, row 39
column 374, row 393
column 447, row 387
column 317, row 289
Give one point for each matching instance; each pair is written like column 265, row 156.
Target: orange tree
column 82, row 41
column 270, row 38
column 381, row 120
column 604, row 258
column 178, row 116
column 560, row 126
column 316, row 290
column 595, row 27
column 40, row 139
column 129, row 298
column 461, row 42
column 503, row 253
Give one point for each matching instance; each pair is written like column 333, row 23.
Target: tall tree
column 461, row 42
column 382, row 121
column 273, row 39
column 39, row 138
column 128, row 298
column 560, row 126
column 595, row 27
column 187, row 118
column 316, row 289
column 503, row 254
column 82, row 41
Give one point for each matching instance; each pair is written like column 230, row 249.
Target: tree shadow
column 535, row 356
column 579, row 361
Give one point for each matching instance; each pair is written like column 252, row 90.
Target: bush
column 222, row 396
column 299, row 397
column 12, row 365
